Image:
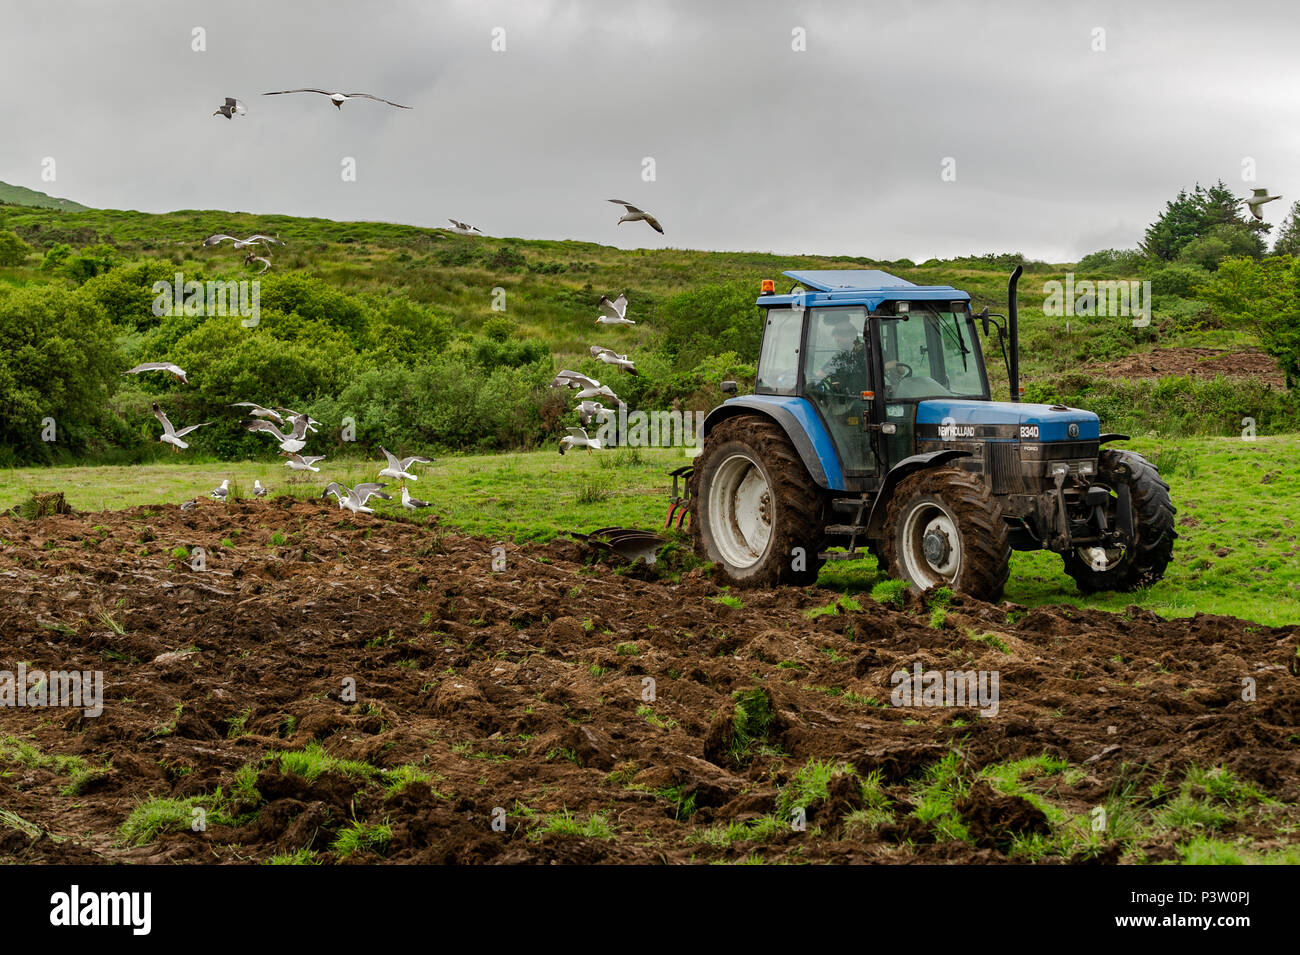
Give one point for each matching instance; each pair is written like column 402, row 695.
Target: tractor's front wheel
column 945, row 529
column 757, row 513
column 1097, row 569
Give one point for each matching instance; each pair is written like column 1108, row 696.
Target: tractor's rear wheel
column 944, row 528
column 756, row 511
column 1097, row 569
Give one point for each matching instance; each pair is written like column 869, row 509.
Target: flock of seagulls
column 588, row 388
column 291, row 430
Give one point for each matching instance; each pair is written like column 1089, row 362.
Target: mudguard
column 801, row 424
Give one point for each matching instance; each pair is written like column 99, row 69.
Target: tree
column 1264, row 296
column 13, row 250
column 1213, row 215
column 1288, row 236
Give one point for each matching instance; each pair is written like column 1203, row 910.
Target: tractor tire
column 1153, row 530
column 753, row 503
column 944, row 528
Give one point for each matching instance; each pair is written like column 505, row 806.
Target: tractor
column 871, row 427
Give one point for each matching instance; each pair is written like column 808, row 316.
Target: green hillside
column 432, row 340
column 21, row 196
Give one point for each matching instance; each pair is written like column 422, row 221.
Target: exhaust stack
column 1013, row 322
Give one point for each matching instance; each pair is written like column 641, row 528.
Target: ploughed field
column 352, row 689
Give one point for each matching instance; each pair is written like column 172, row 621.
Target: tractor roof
column 867, row 287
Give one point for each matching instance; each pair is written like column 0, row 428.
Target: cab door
column 835, row 374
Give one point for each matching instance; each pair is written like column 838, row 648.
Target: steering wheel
column 892, row 367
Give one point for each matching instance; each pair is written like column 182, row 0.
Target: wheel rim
column 931, row 546
column 740, row 508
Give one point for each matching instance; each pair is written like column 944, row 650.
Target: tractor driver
column 845, row 371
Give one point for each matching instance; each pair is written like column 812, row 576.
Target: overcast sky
column 1059, row 149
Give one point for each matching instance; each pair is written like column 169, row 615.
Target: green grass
column 312, row 761
column 358, row 836
column 565, row 823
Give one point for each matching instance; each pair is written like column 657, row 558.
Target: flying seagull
column 258, row 490
column 297, row 462
column 291, row 442
column 611, row 357
column 1257, row 199
column 231, row 107
column 338, row 99
column 397, row 466
column 221, row 493
column 588, row 410
column 615, row 312
column 159, row 366
column 577, row 438
column 586, row 387
column 354, row 499
column 464, row 228
column 250, row 258
column 220, row 237
column 637, row 215
column 170, row 435
column 258, row 411
column 293, row 416
column 411, row 503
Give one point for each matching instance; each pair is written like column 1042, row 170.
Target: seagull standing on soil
column 411, row 503
column 190, row 504
column 637, row 215
column 297, row 462
column 611, row 357
column 577, row 438
column 354, row 499
column 221, row 493
column 231, row 107
column 1258, row 198
column 291, row 442
column 159, row 366
column 338, row 99
column 397, row 466
column 258, row 490
column 615, row 312
column 170, row 435
column 586, row 387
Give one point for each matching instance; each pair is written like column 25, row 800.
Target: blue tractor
column 872, row 426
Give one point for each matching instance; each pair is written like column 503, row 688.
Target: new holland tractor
column 871, row 426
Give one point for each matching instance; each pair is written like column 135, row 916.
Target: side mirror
column 983, row 319
column 729, row 388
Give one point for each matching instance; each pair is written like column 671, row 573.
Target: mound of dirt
column 557, row 710
column 1195, row 363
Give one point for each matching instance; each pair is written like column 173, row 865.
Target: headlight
column 1087, row 467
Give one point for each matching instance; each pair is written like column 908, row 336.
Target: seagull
column 464, row 228
column 397, row 466
column 221, row 493
column 258, row 411
column 637, row 215
column 355, row 498
column 220, row 237
column 266, row 263
column 411, row 503
column 232, row 106
column 338, row 99
column 577, row 438
column 258, row 490
column 291, row 442
column 190, row 504
column 297, row 462
column 587, row 387
column 170, row 435
column 615, row 312
column 588, row 410
column 159, row 366
column 1257, row 199
column 293, row 416
column 610, row 357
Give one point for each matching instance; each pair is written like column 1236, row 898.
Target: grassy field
column 1238, row 501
